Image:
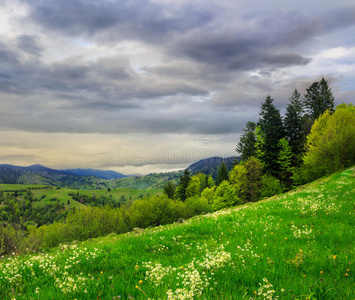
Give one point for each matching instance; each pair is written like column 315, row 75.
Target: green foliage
column 285, row 162
column 180, row 192
column 294, row 125
column 318, row 99
column 271, row 126
column 246, row 145
column 169, row 189
column 270, row 186
column 225, row 196
column 208, row 194
column 197, row 206
column 222, row 174
column 331, row 143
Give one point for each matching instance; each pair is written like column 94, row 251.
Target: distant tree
column 222, row 174
column 294, row 124
column 271, row 126
column 169, row 189
column 246, row 145
column 318, row 99
column 331, row 142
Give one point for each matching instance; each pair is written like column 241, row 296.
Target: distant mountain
column 104, row 174
column 37, row 174
column 210, row 166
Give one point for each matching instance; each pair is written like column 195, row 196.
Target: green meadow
column 45, row 194
column 298, row 245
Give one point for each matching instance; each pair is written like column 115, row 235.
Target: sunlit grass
column 295, row 246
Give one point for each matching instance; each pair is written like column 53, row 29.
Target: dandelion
column 334, row 257
column 140, row 281
column 321, row 272
column 346, row 274
column 137, row 267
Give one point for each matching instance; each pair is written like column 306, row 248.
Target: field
column 46, row 193
column 295, row 246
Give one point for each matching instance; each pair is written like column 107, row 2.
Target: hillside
column 103, row 174
column 295, row 246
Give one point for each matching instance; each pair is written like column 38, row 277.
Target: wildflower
column 137, row 267
column 346, row 274
column 334, row 257
column 282, row 290
column 101, row 272
column 137, row 286
column 140, row 281
column 321, row 272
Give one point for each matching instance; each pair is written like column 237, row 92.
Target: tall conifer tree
column 270, row 123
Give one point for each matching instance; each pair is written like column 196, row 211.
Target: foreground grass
column 296, row 246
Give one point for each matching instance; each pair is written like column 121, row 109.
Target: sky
column 140, row 86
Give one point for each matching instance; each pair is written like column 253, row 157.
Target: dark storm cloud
column 125, row 19
column 28, row 44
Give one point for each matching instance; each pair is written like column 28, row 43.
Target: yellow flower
column 101, row 272
column 285, row 238
column 346, row 274
column 137, row 267
column 140, row 281
column 321, row 272
column 137, row 287
column 334, row 257
column 304, row 275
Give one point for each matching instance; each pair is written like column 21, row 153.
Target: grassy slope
column 296, row 246
column 62, row 194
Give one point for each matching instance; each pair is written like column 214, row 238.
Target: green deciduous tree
column 246, row 179
column 225, row 196
column 169, row 189
column 331, row 142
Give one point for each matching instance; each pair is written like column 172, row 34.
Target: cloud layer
column 161, row 68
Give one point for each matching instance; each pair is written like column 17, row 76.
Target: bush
column 270, row 186
column 11, row 239
column 197, row 206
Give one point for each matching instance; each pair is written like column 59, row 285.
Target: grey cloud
column 29, row 44
column 124, row 19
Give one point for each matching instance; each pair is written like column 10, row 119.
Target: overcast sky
column 140, row 86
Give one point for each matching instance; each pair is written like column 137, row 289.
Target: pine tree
column 180, row 192
column 270, row 123
column 246, row 145
column 295, row 127
column 285, row 162
column 318, row 99
column 222, row 174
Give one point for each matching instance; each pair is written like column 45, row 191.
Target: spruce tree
column 270, row 123
column 318, row 99
column 184, row 183
column 246, row 145
column 222, row 174
column 295, row 127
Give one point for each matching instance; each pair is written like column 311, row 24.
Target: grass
column 62, row 194
column 295, row 246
